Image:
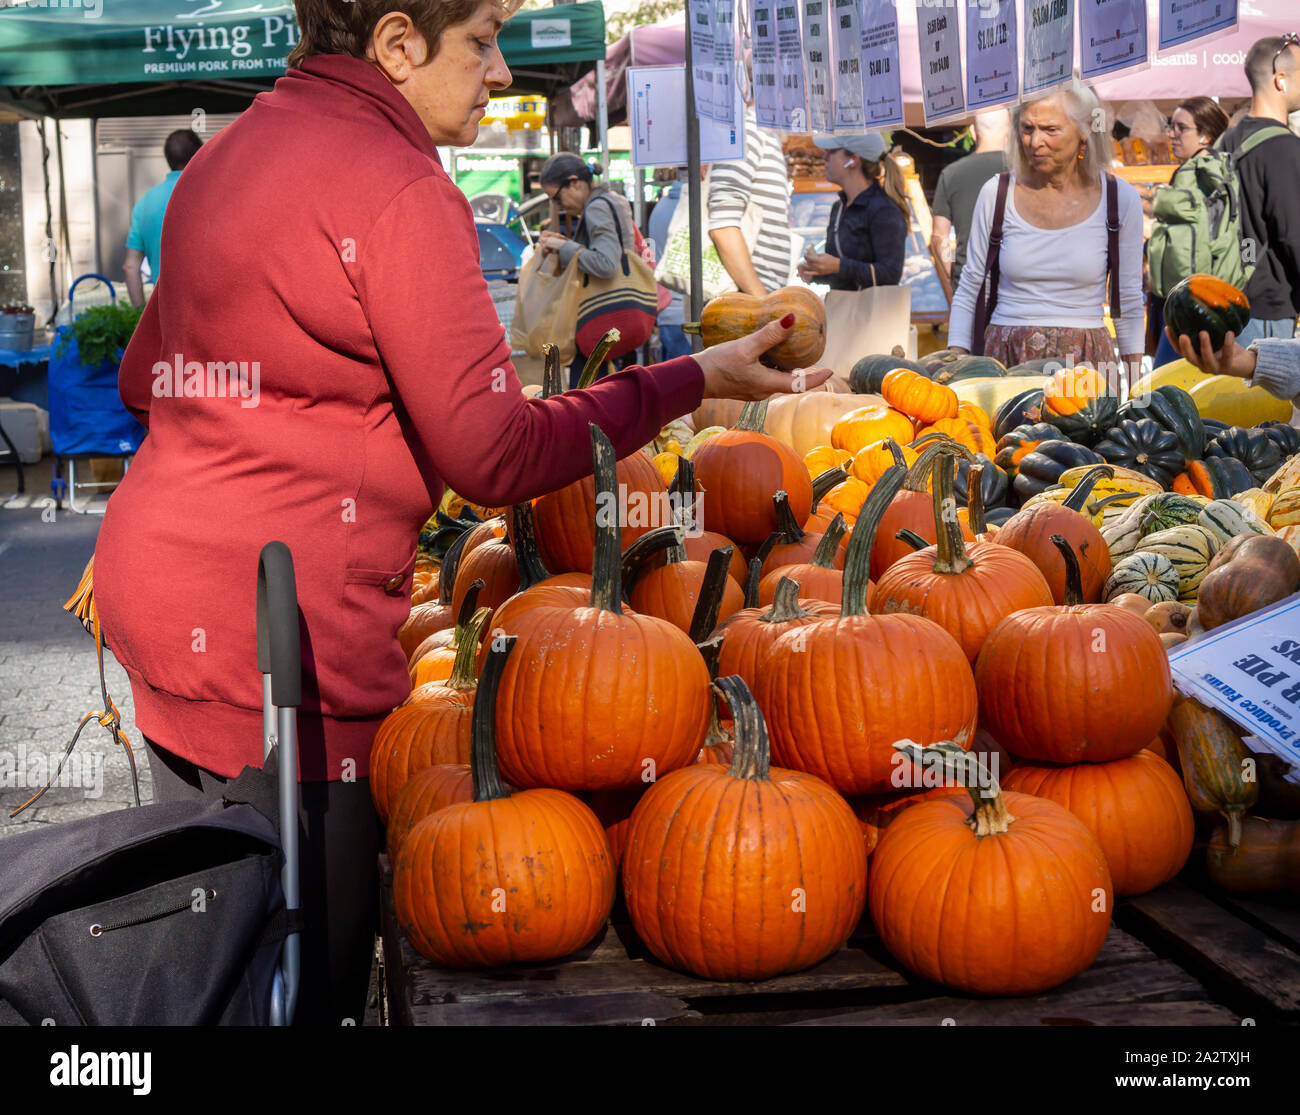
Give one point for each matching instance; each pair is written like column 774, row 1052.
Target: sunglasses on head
column 1291, row 38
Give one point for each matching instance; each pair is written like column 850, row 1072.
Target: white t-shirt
column 1053, row 276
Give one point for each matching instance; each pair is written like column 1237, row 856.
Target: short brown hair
column 1210, row 120
column 345, row 26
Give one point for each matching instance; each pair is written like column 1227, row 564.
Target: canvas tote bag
column 674, row 269
column 546, row 307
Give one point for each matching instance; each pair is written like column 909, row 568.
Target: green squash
column 1252, row 447
column 1146, row 447
column 1042, row 468
column 1149, row 575
column 1169, row 510
column 1204, row 303
column 1024, row 408
column 869, row 372
column 1087, row 424
column 1173, row 409
column 969, row 367
column 1014, row 445
column 1043, row 366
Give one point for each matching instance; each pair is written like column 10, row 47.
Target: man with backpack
column 1266, row 157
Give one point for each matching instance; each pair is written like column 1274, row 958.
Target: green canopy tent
column 99, row 58
column 115, row 58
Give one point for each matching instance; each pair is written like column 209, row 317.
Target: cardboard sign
column 1112, row 37
column 992, row 73
column 939, row 41
column 1049, row 45
column 1250, row 671
column 1184, row 20
column 881, row 73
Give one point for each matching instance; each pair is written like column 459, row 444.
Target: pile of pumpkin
column 732, row 704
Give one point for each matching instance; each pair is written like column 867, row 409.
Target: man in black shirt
column 1270, row 198
column 959, row 186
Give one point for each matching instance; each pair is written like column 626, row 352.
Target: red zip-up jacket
column 318, row 242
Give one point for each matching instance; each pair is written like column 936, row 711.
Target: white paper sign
column 881, row 73
column 656, row 98
column 551, row 33
column 1250, row 671
column 700, row 14
column 817, row 57
column 1184, row 20
column 942, row 92
column 992, row 75
column 789, row 54
column 724, row 62
column 767, row 87
column 849, row 114
column 1049, row 44
column 1112, row 36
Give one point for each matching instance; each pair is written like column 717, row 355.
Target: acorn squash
column 868, row 373
column 1146, row 447
column 1014, row 444
column 1203, row 303
column 1214, row 477
column 1172, row 408
column 1253, row 448
column 1047, row 462
column 1284, row 435
column 1079, row 402
column 990, row 393
column 995, row 485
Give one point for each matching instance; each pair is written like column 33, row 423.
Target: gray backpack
column 1198, row 226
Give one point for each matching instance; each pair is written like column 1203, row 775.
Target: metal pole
column 602, row 115
column 693, row 188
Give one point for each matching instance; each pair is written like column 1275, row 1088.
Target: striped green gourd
column 1226, row 519
column 1123, row 533
column 1150, row 575
column 1188, row 548
column 1169, row 509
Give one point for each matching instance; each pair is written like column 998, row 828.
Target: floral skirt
column 1015, row 344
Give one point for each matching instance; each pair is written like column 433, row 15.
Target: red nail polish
column 787, row 321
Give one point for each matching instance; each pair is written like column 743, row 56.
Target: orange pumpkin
column 804, row 420
column 911, row 509
column 769, row 833
column 918, row 397
column 869, row 425
column 974, row 436
column 818, row 460
column 818, row 577
column 425, row 792
column 1135, row 807
column 997, row 894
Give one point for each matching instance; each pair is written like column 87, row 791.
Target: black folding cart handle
column 280, row 661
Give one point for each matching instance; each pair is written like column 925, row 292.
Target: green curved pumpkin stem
column 523, row 537
column 1073, row 582
column 934, row 435
column 857, row 562
column 607, row 560
column 1098, row 504
column 1079, row 494
column 682, row 494
column 752, row 758
column 711, row 651
column 952, row 556
column 552, row 384
column 919, row 474
column 640, row 557
column 963, row 768
column 469, row 605
column 786, row 525
column 707, row 605
column 488, row 785
column 597, row 358
column 975, row 500
column 829, row 545
column 785, row 603
column 823, row 482
column 770, row 543
column 467, row 637
column 752, row 578
column 447, row 570
column 911, row 538
column 753, row 416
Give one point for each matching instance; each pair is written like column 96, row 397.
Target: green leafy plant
column 102, row 332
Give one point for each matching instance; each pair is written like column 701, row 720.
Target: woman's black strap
column 988, row 296
column 1112, row 242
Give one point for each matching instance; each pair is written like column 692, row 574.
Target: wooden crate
column 1175, row 957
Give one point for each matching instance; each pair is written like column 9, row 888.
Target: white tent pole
column 602, row 114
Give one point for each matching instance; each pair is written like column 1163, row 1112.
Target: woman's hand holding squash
column 732, row 369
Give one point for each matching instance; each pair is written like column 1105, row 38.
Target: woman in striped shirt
column 760, row 177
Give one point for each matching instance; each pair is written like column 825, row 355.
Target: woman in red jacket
column 321, row 355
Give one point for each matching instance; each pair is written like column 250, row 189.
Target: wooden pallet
column 1175, row 957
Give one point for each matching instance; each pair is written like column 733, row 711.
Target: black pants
column 339, row 844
